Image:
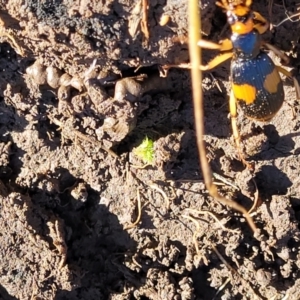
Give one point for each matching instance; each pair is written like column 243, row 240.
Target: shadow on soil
column 5, row 296
column 97, row 243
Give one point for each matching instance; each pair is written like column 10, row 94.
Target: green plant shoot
column 145, row 151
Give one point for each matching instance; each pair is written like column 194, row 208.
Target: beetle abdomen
column 257, row 86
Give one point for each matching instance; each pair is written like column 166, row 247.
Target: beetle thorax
column 246, row 45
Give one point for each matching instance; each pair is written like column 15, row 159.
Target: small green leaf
column 145, row 151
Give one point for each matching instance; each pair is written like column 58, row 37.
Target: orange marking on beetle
column 225, row 45
column 241, row 10
column 242, row 28
column 271, row 82
column 244, row 92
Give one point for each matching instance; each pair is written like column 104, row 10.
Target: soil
column 80, row 89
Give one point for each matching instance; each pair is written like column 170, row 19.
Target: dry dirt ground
column 71, row 183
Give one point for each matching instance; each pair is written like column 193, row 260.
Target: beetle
column 256, row 85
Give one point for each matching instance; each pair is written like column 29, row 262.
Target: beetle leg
column 224, row 45
column 290, row 76
column 277, row 52
column 262, row 24
column 216, row 61
column 235, row 130
column 211, row 64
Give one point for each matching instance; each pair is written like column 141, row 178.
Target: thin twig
column 157, row 188
column 140, row 167
column 206, row 212
column 270, row 4
column 14, row 44
column 221, row 288
column 144, row 21
column 195, row 57
column 139, row 205
column 195, row 232
column 289, row 18
column 225, row 180
column 256, row 197
column 245, row 284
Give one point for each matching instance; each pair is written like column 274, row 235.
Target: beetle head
column 239, row 15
